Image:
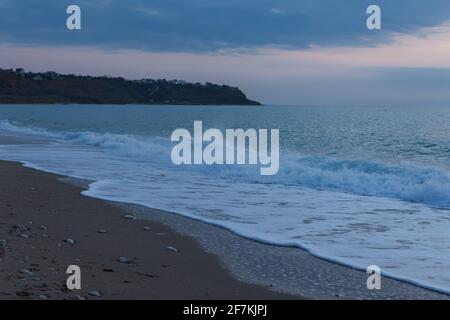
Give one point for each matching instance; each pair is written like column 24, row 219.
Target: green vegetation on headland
column 20, row 87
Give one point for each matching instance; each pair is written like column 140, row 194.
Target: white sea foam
column 406, row 182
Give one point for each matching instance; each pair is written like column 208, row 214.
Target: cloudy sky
column 308, row 52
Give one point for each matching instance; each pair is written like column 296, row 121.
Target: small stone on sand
column 70, row 241
column 173, row 249
column 129, row 217
column 124, row 260
column 20, row 227
column 27, row 272
column 95, row 293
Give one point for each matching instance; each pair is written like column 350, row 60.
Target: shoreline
column 303, row 273
column 255, row 264
column 48, row 225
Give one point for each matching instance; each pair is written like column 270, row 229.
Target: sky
column 284, row 52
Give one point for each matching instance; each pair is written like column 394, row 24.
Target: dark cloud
column 206, row 25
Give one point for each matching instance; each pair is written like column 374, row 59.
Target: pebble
column 146, row 228
column 173, row 249
column 42, row 297
column 43, row 227
column 95, row 293
column 25, row 236
column 27, row 272
column 70, row 241
column 20, row 227
column 102, row 231
column 124, row 260
column 129, row 217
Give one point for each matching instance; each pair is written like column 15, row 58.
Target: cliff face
column 21, row 87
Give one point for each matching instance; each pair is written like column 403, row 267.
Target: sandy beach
column 129, row 251
column 39, row 215
column 48, row 225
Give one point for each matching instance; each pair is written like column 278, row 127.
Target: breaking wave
column 407, row 182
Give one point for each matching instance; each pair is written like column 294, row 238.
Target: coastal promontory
column 21, row 87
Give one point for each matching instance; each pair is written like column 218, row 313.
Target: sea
column 359, row 186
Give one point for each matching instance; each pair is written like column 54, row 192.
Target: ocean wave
column 9, row 126
column 405, row 181
column 141, row 148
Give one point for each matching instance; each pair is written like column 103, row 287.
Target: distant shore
column 21, row 87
